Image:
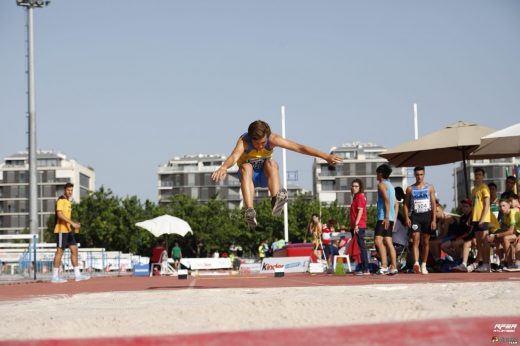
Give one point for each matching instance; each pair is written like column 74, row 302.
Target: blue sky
column 123, row 86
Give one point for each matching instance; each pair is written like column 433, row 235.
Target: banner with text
column 206, row 263
column 291, row 264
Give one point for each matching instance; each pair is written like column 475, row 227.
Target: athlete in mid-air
column 253, row 153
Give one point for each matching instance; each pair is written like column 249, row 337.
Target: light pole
column 33, row 179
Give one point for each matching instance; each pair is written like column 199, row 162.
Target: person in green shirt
column 176, row 255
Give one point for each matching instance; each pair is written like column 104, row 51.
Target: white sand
column 202, row 310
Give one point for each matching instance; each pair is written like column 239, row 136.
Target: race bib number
column 258, row 164
column 421, row 205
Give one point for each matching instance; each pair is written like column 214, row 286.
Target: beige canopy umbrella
column 503, row 143
column 450, row 144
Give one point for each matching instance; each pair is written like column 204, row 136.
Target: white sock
column 76, row 271
column 55, row 272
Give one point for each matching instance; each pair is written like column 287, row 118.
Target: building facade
column 191, row 175
column 496, row 172
column 54, row 170
column 332, row 183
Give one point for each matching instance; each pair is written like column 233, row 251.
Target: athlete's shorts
column 259, row 178
column 478, row 228
column 381, row 231
column 64, row 240
column 422, row 223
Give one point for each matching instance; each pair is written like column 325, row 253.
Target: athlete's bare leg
column 273, row 176
column 246, row 183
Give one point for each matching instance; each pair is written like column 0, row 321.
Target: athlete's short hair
column 385, row 170
column 418, row 168
column 258, row 129
column 67, row 185
column 479, row 169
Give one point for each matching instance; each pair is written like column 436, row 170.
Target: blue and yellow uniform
column 256, row 158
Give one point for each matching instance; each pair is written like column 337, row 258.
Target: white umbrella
column 166, row 224
column 499, row 144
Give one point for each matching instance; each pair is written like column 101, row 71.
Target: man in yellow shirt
column 481, row 217
column 65, row 236
column 252, row 153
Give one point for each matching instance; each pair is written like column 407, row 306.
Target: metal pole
column 33, row 179
column 284, row 173
column 41, row 206
column 415, row 121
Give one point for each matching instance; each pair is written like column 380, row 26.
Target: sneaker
column 485, row 268
column 362, row 273
column 512, row 268
column 461, row 268
column 82, row 277
column 251, row 217
column 393, row 271
column 382, row 271
column 58, row 280
column 416, row 268
column 424, row 271
column 279, row 200
column 472, row 267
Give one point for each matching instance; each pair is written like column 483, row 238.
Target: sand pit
column 188, row 310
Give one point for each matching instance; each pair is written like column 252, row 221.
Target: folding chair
column 166, row 268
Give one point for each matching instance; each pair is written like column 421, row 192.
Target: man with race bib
column 419, row 204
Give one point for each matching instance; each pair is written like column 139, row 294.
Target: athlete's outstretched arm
column 221, row 172
column 281, row 142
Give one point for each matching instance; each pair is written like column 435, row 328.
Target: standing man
column 65, row 236
column 358, row 222
column 510, row 187
column 419, row 207
column 481, row 217
column 252, row 153
column 177, row 256
column 385, row 220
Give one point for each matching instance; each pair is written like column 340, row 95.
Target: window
column 84, row 180
column 328, row 185
column 191, row 179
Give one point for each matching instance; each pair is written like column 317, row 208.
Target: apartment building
column 332, row 183
column 54, row 170
column 191, row 175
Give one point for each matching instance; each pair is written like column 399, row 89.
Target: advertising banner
column 291, row 264
column 206, row 263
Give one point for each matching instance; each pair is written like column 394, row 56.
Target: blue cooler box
column 141, row 270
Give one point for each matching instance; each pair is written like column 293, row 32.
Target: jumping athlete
column 253, row 153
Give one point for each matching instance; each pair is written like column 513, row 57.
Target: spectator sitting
column 157, row 253
column 502, row 237
column 452, row 242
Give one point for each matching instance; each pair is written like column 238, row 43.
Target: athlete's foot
column 82, row 277
column 251, row 217
column 278, row 202
column 58, row 280
column 416, row 268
